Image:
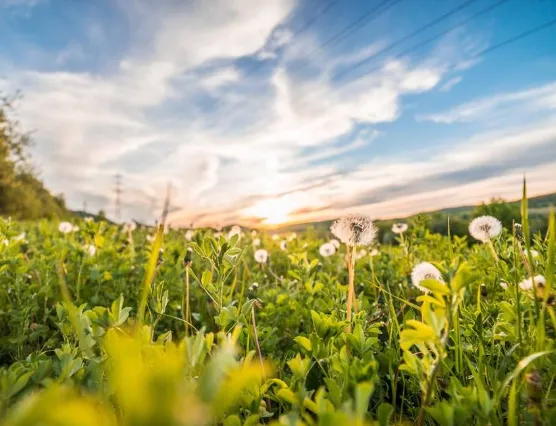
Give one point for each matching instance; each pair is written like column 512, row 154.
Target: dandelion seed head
column 254, row 286
column 527, row 284
column 283, row 245
column 91, row 250
column 374, row 252
column 335, row 243
column 261, row 256
column 275, row 237
column 235, row 230
column 399, row 228
column 19, row 237
column 425, row 271
column 189, row 234
column 354, row 230
column 65, row 227
column 253, row 233
column 327, row 249
column 292, row 236
column 130, row 226
column 485, row 228
column 257, row 242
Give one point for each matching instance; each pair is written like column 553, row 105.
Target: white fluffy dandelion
column 275, row 237
column 150, row 238
column 425, row 271
column 91, row 250
column 354, row 230
column 189, row 234
column 335, row 243
column 235, row 230
column 361, row 254
column 327, row 249
column 374, row 252
column 254, row 286
column 399, row 228
column 527, row 284
column 254, row 233
column 257, row 242
column 19, row 237
column 65, row 227
column 485, row 228
column 283, row 245
column 75, row 228
column 130, row 226
column 261, row 256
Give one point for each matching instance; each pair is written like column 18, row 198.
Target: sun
column 273, row 211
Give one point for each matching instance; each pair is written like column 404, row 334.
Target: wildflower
column 354, row 230
column 88, row 219
column 91, row 250
column 527, row 284
column 254, row 286
column 236, row 230
column 275, row 237
column 504, row 285
column 253, row 233
column 374, row 252
column 425, row 271
column 335, row 243
column 485, row 228
column 283, row 245
column 75, row 228
column 399, row 228
column 261, row 256
column 189, row 234
column 65, row 227
column 257, row 242
column 327, row 249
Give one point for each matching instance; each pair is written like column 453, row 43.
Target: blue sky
column 284, row 109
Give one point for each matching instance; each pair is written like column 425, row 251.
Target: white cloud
column 538, row 98
column 450, row 84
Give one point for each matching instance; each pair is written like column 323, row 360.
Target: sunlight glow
column 273, row 211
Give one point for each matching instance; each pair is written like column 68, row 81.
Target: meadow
column 107, row 324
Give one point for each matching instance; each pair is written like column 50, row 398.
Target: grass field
column 106, row 324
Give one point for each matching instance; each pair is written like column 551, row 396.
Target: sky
column 264, row 112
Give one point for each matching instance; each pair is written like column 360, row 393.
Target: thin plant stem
column 491, row 246
column 256, row 338
column 187, row 317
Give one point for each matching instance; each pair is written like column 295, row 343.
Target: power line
column 418, row 31
column 356, row 24
column 412, row 48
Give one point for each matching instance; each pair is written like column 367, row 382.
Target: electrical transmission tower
column 118, row 193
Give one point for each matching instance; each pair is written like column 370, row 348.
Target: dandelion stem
column 256, row 338
column 187, row 317
column 351, row 273
column 491, row 246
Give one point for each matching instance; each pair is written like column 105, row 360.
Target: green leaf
column 304, row 343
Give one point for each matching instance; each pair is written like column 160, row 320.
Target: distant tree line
column 22, row 193
column 458, row 219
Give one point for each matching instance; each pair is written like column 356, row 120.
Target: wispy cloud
column 527, row 101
